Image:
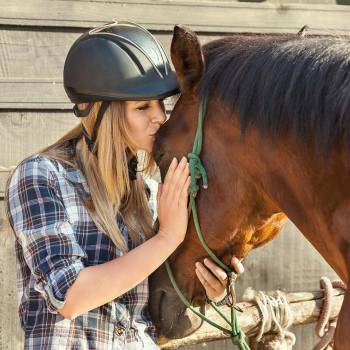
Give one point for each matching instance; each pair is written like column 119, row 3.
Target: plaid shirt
column 55, row 239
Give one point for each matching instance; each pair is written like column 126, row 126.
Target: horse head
column 235, row 215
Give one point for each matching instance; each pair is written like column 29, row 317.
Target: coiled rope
column 276, row 317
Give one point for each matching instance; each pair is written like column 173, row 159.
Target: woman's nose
column 159, row 116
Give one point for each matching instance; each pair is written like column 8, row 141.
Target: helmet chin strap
column 84, row 113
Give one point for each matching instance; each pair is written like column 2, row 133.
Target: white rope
column 275, row 318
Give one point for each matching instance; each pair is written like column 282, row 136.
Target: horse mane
column 283, row 84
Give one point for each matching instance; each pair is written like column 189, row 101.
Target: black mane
column 283, row 84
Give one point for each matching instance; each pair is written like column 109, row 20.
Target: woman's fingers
column 179, row 176
column 216, row 270
column 172, row 211
column 184, row 192
column 210, row 279
column 237, row 265
column 210, row 291
column 174, row 181
column 181, row 183
column 214, row 278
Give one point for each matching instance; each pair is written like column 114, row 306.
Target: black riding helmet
column 116, row 61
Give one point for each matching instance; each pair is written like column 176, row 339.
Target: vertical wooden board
column 11, row 334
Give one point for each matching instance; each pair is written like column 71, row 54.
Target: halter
column 197, row 171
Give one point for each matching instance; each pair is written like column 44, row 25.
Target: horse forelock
column 283, row 83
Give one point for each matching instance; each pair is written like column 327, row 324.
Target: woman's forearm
column 99, row 284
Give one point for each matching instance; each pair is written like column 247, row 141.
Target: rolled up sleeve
column 41, row 226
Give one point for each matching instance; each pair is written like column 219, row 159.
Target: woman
column 79, row 209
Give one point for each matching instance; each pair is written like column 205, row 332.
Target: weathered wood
column 19, row 136
column 32, row 94
column 305, row 306
column 218, row 1
column 19, row 132
column 11, row 334
column 39, row 55
column 212, row 16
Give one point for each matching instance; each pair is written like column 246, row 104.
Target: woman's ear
column 187, row 57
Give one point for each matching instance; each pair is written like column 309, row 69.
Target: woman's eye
column 143, row 107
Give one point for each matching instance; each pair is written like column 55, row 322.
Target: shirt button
column 119, row 330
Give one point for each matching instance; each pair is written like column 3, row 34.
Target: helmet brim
column 153, row 90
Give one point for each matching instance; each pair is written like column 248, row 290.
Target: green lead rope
column 198, row 172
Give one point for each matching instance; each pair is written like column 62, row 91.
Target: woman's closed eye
column 141, row 108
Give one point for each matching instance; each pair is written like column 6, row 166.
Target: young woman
column 80, row 210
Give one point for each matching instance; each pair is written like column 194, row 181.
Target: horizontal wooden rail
column 205, row 16
column 306, row 308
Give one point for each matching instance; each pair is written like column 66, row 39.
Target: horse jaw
column 171, row 317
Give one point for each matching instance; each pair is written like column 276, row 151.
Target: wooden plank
column 11, row 334
column 33, row 54
column 19, row 133
column 33, row 94
column 317, row 2
column 3, row 178
column 208, row 16
column 38, row 94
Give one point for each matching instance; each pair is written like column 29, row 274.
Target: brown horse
column 276, row 143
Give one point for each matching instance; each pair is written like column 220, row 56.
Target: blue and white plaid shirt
column 55, row 239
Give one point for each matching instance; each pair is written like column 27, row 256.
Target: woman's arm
column 99, row 284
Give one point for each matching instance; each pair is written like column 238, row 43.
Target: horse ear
column 187, row 57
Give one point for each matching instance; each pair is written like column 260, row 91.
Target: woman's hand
column 172, row 198
column 214, row 278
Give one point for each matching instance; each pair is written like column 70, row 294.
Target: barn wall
column 35, row 36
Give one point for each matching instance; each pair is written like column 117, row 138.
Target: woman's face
column 144, row 118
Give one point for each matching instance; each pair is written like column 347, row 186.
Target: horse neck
column 314, row 192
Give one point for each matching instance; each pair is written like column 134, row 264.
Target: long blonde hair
column 106, row 172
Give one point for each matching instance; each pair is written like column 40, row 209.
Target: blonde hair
column 106, row 172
